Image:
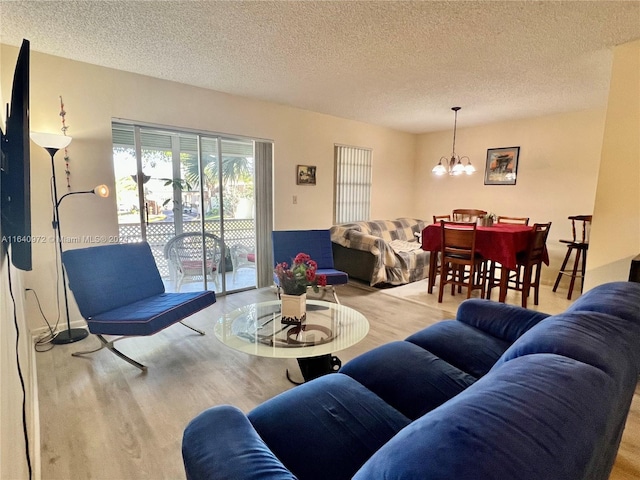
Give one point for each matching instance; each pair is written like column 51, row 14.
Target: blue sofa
column 500, row 392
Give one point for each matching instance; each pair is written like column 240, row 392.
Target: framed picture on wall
column 502, row 166
column 306, row 175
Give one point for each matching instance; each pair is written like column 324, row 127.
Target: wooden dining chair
column 467, row 214
column 437, row 218
column 579, row 244
column 460, row 265
column 513, row 220
column 509, row 221
column 523, row 279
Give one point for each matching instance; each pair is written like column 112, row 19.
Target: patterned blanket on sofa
column 399, row 256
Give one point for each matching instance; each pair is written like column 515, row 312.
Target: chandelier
column 453, row 166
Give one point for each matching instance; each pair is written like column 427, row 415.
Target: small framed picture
column 306, row 175
column 502, row 166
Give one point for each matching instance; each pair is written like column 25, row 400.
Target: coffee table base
column 314, row 367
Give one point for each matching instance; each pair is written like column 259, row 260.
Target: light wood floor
column 103, row 419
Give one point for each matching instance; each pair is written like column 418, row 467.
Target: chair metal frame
column 109, row 345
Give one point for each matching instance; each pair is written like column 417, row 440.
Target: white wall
column 13, row 464
column 615, row 234
column 557, row 172
column 94, row 95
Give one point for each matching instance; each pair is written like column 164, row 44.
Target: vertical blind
column 264, row 212
column 353, row 184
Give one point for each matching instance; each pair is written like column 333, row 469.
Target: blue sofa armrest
column 507, row 322
column 221, row 443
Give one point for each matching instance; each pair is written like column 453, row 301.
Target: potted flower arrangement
column 487, row 219
column 294, row 281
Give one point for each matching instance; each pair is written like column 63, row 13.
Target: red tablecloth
column 500, row 243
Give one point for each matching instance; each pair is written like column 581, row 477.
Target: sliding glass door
column 192, row 197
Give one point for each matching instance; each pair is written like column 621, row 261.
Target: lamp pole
column 52, row 143
column 69, row 335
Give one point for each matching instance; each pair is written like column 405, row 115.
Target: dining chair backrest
column 437, row 218
column 467, row 214
column 537, row 243
column 460, row 266
column 458, row 240
column 513, row 220
column 580, row 223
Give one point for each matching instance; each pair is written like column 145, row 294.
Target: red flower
column 294, row 280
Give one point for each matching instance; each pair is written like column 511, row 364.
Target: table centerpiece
column 293, row 281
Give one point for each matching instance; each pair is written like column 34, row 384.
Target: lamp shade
column 101, row 191
column 439, row 169
column 469, row 169
column 50, row 140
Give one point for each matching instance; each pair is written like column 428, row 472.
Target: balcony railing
column 236, row 231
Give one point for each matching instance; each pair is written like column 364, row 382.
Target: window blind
column 353, row 184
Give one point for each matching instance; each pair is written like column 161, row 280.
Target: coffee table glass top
column 257, row 330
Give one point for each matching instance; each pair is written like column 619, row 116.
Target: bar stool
column 580, row 247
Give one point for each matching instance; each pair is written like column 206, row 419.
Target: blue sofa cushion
column 327, row 428
column 584, row 336
column 134, row 276
column 427, row 381
column 203, row 450
column 150, row 315
column 538, row 417
column 500, row 320
column 463, row 346
column 622, row 301
column 334, row 277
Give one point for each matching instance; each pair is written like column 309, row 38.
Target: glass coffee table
column 257, row 329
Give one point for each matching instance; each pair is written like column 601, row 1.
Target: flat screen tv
column 15, row 191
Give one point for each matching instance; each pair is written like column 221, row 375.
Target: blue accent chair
column 315, row 243
column 119, row 292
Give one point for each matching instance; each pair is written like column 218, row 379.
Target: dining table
column 500, row 243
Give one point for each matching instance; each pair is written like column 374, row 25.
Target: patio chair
column 242, row 257
column 185, row 253
column 315, row 243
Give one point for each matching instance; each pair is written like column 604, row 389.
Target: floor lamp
column 52, row 143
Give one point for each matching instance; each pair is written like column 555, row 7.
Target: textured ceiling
column 392, row 63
